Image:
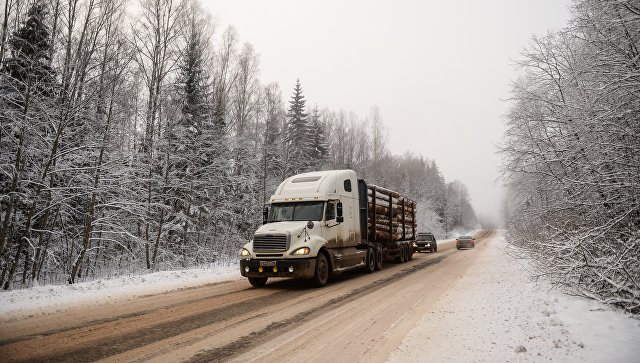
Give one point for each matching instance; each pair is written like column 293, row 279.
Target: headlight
column 301, row 251
column 414, row 244
column 245, row 253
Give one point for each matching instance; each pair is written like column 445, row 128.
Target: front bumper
column 424, row 247
column 302, row 268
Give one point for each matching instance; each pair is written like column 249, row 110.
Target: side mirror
column 265, row 214
column 340, row 217
column 310, row 225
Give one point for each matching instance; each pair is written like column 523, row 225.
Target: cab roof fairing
column 312, row 185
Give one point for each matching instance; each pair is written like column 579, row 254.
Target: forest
column 572, row 154
column 136, row 136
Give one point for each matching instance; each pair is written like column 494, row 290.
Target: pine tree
column 298, row 135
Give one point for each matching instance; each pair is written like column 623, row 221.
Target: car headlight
column 414, row 244
column 301, row 251
column 245, row 253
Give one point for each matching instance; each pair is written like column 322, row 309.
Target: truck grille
column 271, row 242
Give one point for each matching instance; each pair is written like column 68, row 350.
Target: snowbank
column 46, row 299
column 495, row 313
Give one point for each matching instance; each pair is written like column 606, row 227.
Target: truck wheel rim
column 322, row 270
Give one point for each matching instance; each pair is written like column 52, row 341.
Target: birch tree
column 571, row 156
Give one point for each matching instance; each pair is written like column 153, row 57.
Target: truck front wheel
column 257, row 281
column 321, row 275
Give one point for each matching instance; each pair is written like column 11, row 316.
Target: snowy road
column 356, row 317
column 470, row 305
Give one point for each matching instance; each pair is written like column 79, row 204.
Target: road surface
column 356, row 317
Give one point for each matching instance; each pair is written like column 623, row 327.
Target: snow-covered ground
column 46, row 299
column 495, row 313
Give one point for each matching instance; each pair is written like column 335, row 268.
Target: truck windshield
column 300, row 211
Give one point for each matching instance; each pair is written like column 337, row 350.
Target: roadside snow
column 495, row 313
column 41, row 300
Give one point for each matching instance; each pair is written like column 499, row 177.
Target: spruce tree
column 298, row 135
column 186, row 138
column 27, row 91
column 320, row 148
column 27, row 71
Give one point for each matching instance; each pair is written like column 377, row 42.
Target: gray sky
column 438, row 70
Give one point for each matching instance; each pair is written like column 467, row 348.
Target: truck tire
column 370, row 261
column 379, row 259
column 403, row 254
column 321, row 275
column 257, row 281
column 435, row 249
column 409, row 252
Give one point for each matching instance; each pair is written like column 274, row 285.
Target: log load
column 390, row 216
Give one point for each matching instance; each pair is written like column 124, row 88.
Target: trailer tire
column 403, row 254
column 257, row 281
column 379, row 259
column 410, row 252
column 370, row 261
column 321, row 276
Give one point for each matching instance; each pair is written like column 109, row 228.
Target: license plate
column 267, row 263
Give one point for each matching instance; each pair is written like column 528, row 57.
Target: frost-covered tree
column 184, row 136
column 298, row 133
column 272, row 144
column 319, row 147
column 155, row 37
column 571, row 153
column 27, row 104
column 459, row 214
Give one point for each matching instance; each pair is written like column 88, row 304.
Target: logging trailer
column 324, row 223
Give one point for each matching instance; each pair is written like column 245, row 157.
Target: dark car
column 465, row 242
column 425, row 241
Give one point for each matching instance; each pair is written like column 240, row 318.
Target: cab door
column 332, row 227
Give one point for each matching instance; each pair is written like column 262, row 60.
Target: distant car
column 425, row 241
column 465, row 242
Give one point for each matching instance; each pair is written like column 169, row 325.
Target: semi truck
column 324, row 223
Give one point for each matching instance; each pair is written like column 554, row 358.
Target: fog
column 438, row 70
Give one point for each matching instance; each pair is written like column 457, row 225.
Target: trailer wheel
column 370, row 262
column 257, row 281
column 409, row 252
column 403, row 254
column 321, row 275
column 378, row 259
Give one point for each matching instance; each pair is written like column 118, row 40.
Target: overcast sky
column 438, row 70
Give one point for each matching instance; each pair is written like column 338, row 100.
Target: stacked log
column 391, row 217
